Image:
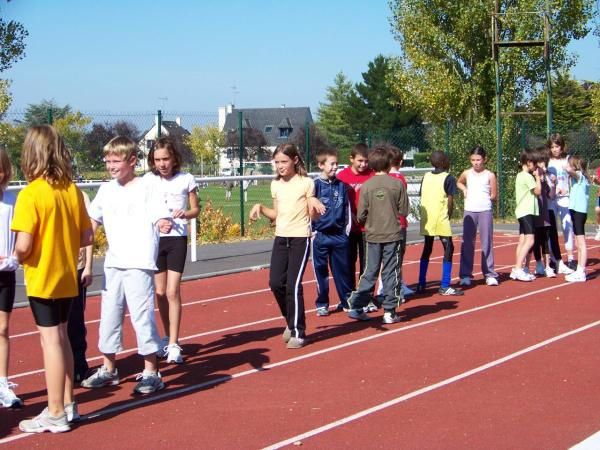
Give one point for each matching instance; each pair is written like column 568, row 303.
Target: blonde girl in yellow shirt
column 294, row 205
column 52, row 224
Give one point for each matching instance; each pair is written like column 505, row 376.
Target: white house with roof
column 277, row 125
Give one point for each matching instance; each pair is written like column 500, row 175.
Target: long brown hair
column 557, row 139
column 5, row 167
column 291, row 151
column 45, row 155
column 579, row 164
column 169, row 145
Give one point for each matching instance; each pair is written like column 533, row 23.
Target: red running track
column 513, row 366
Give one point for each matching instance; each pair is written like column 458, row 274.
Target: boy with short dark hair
column 132, row 216
column 331, row 230
column 382, row 199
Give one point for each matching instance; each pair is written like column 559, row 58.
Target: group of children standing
column 49, row 230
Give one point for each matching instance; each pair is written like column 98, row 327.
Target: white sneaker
column 174, row 354
column 550, row 273
column 8, row 399
column 597, row 237
column 491, row 281
column 540, row 269
column 563, row 269
column 72, row 412
column 576, row 277
column 465, row 281
column 391, row 317
column 45, row 422
column 521, row 275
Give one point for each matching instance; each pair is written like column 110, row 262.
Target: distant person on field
column 330, row 234
column 438, row 189
column 52, row 224
column 133, row 215
column 8, row 266
column 480, row 189
column 382, row 199
column 528, row 186
column 294, row 205
column 228, row 189
column 179, row 192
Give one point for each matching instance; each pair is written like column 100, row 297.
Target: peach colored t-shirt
column 291, row 200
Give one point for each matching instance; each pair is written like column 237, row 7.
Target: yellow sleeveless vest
column 434, row 206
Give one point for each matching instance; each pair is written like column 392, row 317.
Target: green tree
column 371, row 102
column 205, row 143
column 72, row 127
column 446, row 69
column 12, row 137
column 12, row 43
column 334, row 113
column 595, row 106
column 37, row 114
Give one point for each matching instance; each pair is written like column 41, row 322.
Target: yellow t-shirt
column 291, row 200
column 54, row 215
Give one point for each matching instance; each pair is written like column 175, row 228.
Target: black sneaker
column 450, row 291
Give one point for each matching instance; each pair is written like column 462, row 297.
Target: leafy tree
column 205, row 143
column 96, row 138
column 446, row 71
column 595, row 106
column 334, row 114
column 254, row 143
column 12, row 43
column 571, row 103
column 12, row 137
column 371, row 107
column 37, row 114
column 316, row 140
column 72, row 127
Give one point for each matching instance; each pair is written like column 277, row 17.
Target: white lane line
column 427, row 389
column 239, row 294
column 224, row 378
column 591, row 443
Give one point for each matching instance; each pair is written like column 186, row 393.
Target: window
column 284, row 133
column 150, row 144
column 268, row 128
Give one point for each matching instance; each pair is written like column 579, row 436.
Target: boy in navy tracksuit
column 330, row 238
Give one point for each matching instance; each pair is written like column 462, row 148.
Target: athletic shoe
column 8, row 399
column 322, row 311
column 371, row 307
column 550, row 273
column 563, row 269
column 391, row 317
column 72, row 412
column 491, row 281
column 465, row 281
column 450, row 291
column 575, row 277
column 164, row 343
column 597, row 237
column 520, row 275
column 526, row 270
column 287, row 334
column 174, row 354
column 45, row 422
column 149, row 383
column 340, row 307
column 100, row 378
column 572, row 265
column 296, row 342
column 540, row 269
column 358, row 314
column 406, row 291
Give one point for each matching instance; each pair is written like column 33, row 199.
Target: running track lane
column 321, row 367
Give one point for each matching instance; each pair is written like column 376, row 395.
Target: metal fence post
column 49, row 117
column 159, row 123
column 307, row 144
column 241, row 145
column 447, row 144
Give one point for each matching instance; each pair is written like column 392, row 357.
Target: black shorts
column 172, row 251
column 578, row 219
column 527, row 224
column 7, row 291
column 50, row 312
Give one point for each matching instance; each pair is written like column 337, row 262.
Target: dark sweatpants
column 288, row 262
column 76, row 329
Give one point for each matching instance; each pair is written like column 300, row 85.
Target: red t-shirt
column 401, row 218
column 354, row 181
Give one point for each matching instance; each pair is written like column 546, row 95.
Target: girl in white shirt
column 179, row 192
column 479, row 188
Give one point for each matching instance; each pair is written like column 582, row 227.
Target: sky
column 196, row 55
